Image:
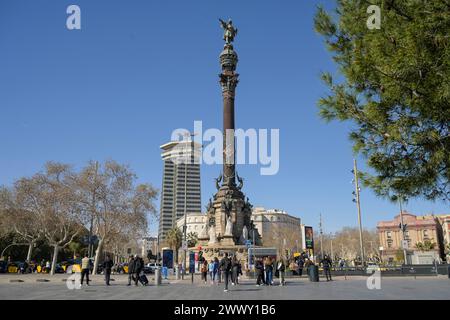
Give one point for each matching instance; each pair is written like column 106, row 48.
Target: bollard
column 177, row 273
column 157, row 276
column 192, row 277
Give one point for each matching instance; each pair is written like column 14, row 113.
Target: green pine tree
column 395, row 89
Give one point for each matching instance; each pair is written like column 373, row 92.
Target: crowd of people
column 227, row 270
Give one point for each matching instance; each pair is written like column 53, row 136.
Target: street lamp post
column 403, row 229
column 253, row 244
column 358, row 205
column 93, row 209
column 191, row 157
column 331, row 247
column 185, row 221
column 321, row 237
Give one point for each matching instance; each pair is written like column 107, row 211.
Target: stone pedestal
column 227, row 241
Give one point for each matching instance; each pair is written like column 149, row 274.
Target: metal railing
column 393, row 271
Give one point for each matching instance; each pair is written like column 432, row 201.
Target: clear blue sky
column 139, row 69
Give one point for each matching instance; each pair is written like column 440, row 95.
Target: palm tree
column 174, row 240
column 427, row 245
column 192, row 239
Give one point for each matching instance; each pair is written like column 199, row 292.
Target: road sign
column 248, row 243
column 405, row 244
column 184, row 245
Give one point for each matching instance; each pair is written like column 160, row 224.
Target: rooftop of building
column 268, row 211
column 171, row 144
column 412, row 220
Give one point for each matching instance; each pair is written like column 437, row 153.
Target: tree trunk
column 30, row 251
column 55, row 259
column 97, row 256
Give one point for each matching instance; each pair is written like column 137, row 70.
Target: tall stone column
column 228, row 211
column 228, row 81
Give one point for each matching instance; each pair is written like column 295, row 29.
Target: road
column 352, row 288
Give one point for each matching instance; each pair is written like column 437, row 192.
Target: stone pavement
column 354, row 288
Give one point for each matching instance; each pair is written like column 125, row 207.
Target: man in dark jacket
column 234, row 271
column 107, row 266
column 138, row 267
column 300, row 264
column 259, row 268
column 131, row 269
column 225, row 267
column 326, row 264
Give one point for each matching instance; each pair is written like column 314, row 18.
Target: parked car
column 152, row 266
column 72, row 265
column 13, row 267
column 148, row 270
column 3, row 265
column 59, row 268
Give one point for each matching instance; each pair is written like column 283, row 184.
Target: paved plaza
column 352, row 288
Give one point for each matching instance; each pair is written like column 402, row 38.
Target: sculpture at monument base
column 212, row 236
column 204, row 233
column 229, row 227
column 244, row 235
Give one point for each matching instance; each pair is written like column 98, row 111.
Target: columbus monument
column 229, row 212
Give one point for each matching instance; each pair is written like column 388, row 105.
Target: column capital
column 228, row 81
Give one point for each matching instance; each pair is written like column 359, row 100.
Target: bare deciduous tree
column 18, row 217
column 346, row 245
column 51, row 197
column 282, row 237
column 117, row 206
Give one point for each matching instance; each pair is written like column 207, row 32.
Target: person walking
column 85, row 268
column 131, row 268
column 48, row 266
column 281, row 268
column 342, row 264
column 138, row 267
column 259, row 268
column 239, row 273
column 234, row 270
column 107, row 267
column 307, row 265
column 225, row 267
column 218, row 271
column 300, row 263
column 269, row 271
column 204, row 270
column 326, row 264
column 211, row 271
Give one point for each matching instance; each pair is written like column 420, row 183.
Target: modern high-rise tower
column 181, row 183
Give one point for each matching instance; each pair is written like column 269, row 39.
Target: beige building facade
column 271, row 221
column 195, row 222
column 267, row 221
column 419, row 229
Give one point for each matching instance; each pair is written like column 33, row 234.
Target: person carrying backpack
column 225, row 268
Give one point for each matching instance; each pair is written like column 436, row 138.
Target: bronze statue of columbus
column 229, row 31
